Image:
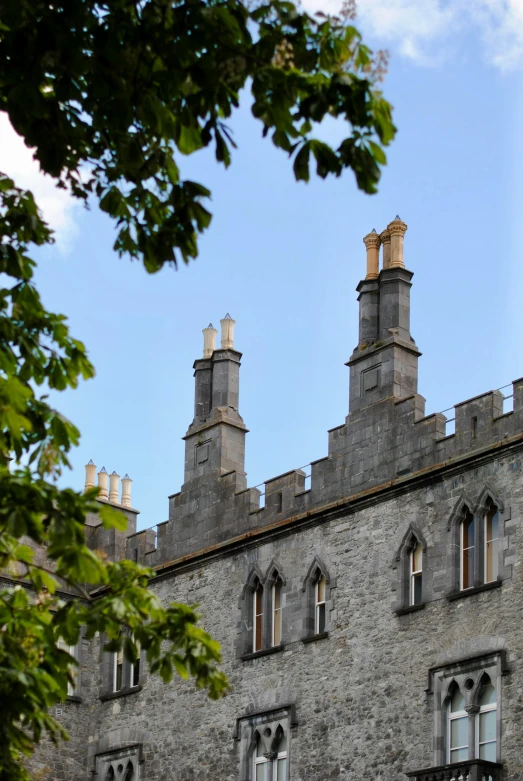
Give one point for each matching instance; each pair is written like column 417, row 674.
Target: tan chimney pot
column 385, row 243
column 372, row 243
column 114, row 480
column 90, row 471
column 209, row 340
column 227, row 325
column 103, row 484
column 397, row 230
column 126, row 491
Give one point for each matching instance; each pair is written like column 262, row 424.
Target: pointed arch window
column 271, row 765
column 319, row 599
column 467, row 550
column 257, row 614
column 486, row 729
column 277, row 611
column 491, row 536
column 458, row 731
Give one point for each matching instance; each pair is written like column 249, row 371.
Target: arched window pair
column 271, row 765
column 266, row 598
column 472, row 729
column 479, row 546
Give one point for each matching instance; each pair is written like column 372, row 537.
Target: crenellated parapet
column 386, row 438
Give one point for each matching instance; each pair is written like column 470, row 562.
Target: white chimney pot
column 103, row 484
column 209, row 340
column 114, row 480
column 227, row 325
column 126, row 491
column 90, row 471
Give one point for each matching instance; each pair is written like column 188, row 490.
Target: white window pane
column 321, row 590
column 492, row 561
column 487, row 726
column 260, row 772
column 488, row 751
column 457, row 702
column 487, row 695
column 417, row 590
column 282, row 745
column 459, row 732
column 459, row 755
column 320, row 619
column 416, row 557
column 282, row 770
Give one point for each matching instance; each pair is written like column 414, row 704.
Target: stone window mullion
column 472, row 710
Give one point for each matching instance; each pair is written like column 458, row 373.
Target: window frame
column 319, row 604
column 72, row 650
column 494, row 551
column 468, row 516
column 415, row 574
column 483, row 709
column 277, row 612
column 456, row 716
column 442, row 681
column 268, row 727
column 257, row 632
column 315, row 573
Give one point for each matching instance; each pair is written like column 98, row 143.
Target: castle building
column 370, row 613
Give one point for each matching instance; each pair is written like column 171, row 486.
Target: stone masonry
column 367, row 698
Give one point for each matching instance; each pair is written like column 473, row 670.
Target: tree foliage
column 111, row 95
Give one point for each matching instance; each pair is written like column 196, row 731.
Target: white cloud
column 421, row 29
column 58, row 207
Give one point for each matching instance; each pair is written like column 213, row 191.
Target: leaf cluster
column 111, row 94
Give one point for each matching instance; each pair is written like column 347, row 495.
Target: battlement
column 384, row 442
column 385, row 438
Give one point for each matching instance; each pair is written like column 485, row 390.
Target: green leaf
column 112, row 518
column 301, row 163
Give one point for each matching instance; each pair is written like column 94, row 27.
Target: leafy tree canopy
column 111, row 95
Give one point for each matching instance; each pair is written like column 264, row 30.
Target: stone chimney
column 214, row 443
column 384, row 365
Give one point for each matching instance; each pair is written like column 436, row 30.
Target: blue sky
column 284, row 259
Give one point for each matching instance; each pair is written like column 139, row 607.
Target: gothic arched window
column 467, row 550
column 491, row 536
column 277, row 614
column 486, row 721
column 271, row 765
column 458, row 731
column 257, row 617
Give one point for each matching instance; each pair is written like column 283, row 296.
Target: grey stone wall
column 362, row 709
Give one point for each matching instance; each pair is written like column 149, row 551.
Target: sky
column 284, row 258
